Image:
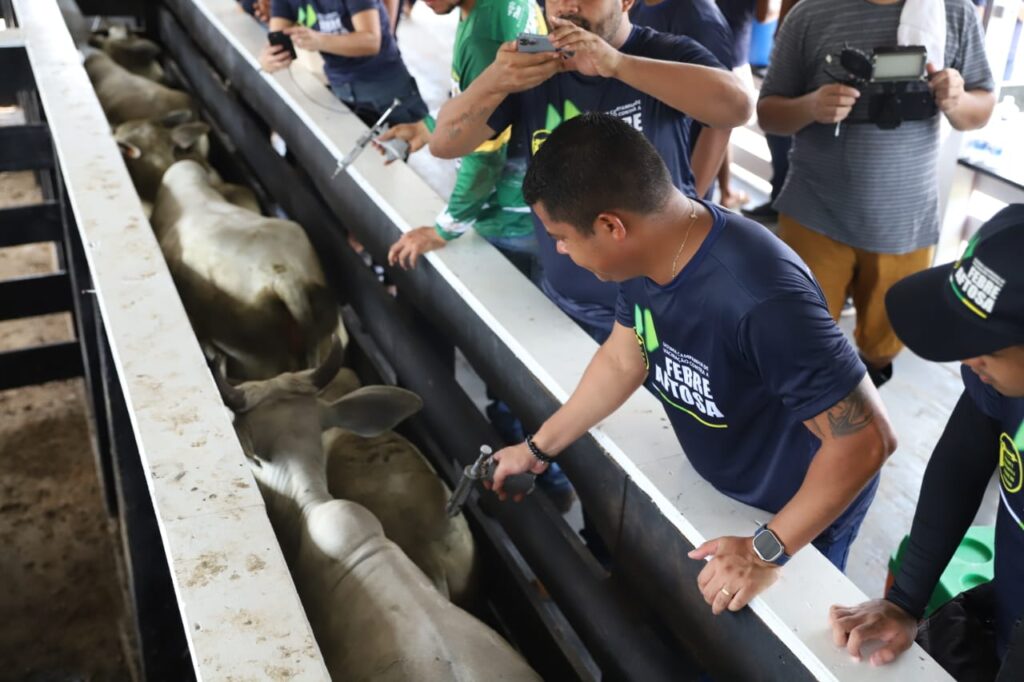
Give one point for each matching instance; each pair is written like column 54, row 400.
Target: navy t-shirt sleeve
column 623, row 313
column 357, row 6
column 986, row 398
column 507, row 113
column 800, row 353
column 679, row 49
column 283, row 9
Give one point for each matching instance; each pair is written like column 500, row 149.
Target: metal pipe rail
column 199, row 548
column 646, row 499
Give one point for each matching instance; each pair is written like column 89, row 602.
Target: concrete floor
column 919, row 398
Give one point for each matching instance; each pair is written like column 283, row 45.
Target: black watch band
column 537, row 452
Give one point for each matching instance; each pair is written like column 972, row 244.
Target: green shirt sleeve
column 492, row 23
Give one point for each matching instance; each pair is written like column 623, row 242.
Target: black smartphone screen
column 282, row 39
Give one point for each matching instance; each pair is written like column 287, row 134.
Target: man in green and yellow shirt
column 488, row 186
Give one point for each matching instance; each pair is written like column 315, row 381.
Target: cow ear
column 371, row 410
column 187, row 134
column 175, row 118
column 129, row 151
column 141, row 48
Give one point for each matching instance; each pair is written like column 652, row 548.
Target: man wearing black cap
column 972, row 311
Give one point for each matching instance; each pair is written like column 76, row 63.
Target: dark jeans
column 835, row 545
column 370, row 99
column 779, row 146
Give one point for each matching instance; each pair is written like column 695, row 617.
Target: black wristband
column 537, row 452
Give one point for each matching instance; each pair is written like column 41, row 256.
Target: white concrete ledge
column 241, row 613
column 556, row 352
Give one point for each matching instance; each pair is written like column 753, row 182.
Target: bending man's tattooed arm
column 856, row 438
column 851, row 414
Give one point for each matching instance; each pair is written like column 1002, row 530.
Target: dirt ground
column 61, row 607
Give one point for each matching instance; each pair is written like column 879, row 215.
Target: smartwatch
column 768, row 547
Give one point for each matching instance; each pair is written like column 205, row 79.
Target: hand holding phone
column 282, row 39
column 532, row 42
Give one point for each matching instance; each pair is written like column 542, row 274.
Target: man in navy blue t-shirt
column 361, row 60
column 655, row 82
column 727, row 327
column 973, row 311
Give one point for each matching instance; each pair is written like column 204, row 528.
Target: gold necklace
column 693, row 219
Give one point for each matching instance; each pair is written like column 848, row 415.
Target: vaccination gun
column 394, row 150
column 483, row 470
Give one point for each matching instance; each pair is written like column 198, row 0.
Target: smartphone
column 284, row 40
column 533, row 43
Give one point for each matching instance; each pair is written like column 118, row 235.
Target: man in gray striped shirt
column 860, row 204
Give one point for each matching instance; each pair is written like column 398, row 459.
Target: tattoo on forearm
column 850, row 415
column 455, row 128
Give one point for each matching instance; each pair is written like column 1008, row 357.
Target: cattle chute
column 647, row 503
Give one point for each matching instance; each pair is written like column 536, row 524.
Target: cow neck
column 298, row 477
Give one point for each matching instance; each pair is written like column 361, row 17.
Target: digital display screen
column 898, row 66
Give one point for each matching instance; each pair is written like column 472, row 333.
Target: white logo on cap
column 980, row 286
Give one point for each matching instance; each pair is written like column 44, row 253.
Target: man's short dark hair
column 595, row 163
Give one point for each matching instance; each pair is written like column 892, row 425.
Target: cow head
column 137, row 55
column 150, row 147
column 279, row 423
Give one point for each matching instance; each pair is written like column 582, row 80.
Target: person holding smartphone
column 487, row 196
column 654, row 81
column 361, row 60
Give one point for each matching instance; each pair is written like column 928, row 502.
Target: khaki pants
column 843, row 270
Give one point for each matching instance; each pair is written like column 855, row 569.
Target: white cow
column 125, row 96
column 135, row 53
column 375, row 614
column 390, row 477
column 151, row 146
column 252, row 286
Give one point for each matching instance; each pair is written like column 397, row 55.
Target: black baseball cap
column 972, row 307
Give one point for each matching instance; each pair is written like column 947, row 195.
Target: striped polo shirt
column 868, row 188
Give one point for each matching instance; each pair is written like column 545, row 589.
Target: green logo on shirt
column 1011, row 471
column 1019, row 439
column 552, row 121
column 681, row 380
column 307, row 16
column 644, row 325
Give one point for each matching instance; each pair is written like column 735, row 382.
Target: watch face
column 767, row 545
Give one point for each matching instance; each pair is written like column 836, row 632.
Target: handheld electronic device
column 892, row 81
column 284, row 40
column 532, row 43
